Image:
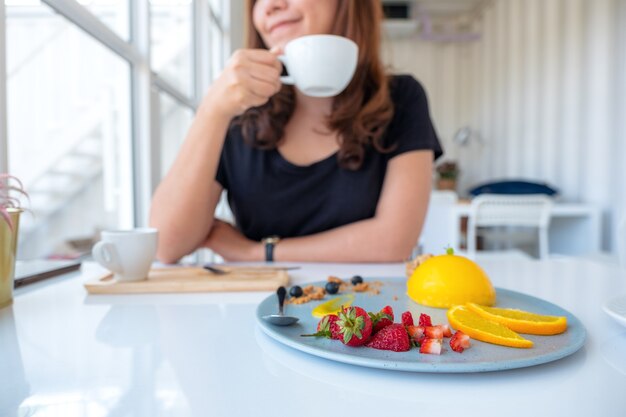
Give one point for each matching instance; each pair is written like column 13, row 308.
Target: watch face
column 272, row 240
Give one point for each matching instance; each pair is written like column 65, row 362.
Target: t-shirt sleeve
column 411, row 127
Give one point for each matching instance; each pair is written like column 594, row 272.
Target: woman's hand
column 231, row 245
column 250, row 78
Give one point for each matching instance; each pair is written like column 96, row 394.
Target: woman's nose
column 271, row 6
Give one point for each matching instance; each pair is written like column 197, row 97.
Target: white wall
column 545, row 87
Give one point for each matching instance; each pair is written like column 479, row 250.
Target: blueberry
column 332, row 287
column 295, row 291
column 357, row 279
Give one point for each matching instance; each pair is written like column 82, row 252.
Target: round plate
column 616, row 308
column 480, row 357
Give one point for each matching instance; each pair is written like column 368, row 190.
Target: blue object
column 513, row 187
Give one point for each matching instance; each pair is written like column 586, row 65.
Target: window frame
column 146, row 84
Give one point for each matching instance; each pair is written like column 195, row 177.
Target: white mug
column 127, row 253
column 320, row 65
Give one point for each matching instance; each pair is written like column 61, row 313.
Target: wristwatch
column 269, row 243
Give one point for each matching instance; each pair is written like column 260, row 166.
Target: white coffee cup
column 320, row 65
column 127, row 253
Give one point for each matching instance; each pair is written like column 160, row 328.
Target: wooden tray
column 192, row 279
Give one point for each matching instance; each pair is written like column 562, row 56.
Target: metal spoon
column 280, row 319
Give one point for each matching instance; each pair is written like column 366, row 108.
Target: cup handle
column 286, row 79
column 105, row 254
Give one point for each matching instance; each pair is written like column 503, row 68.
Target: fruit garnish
column 407, row 318
column 381, row 319
column 479, row 328
column 447, row 280
column 333, row 306
column 431, row 346
column 296, row 291
column 355, row 326
column 332, row 287
column 393, row 337
column 357, row 279
column 459, row 342
column 327, row 327
column 425, row 320
column 522, row 321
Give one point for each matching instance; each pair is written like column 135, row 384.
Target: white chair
column 440, row 229
column 494, row 210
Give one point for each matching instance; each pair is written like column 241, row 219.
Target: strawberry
column 381, row 319
column 393, row 337
column 433, row 332
column 459, row 342
column 425, row 320
column 446, row 330
column 355, row 326
column 416, row 333
column 431, row 346
column 327, row 327
column 407, row 318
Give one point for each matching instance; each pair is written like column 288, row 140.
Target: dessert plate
column 480, row 357
column 616, row 308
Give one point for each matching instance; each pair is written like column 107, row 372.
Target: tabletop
column 66, row 353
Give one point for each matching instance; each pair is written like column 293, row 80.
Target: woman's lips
column 279, row 26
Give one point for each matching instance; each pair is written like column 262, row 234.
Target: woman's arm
column 183, row 204
column 387, row 237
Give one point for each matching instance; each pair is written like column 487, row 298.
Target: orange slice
column 522, row 321
column 479, row 328
column 333, row 306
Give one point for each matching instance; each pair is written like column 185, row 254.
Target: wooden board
column 191, row 279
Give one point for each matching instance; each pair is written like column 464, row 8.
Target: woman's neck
column 318, row 108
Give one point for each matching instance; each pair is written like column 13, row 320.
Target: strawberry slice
column 381, row 319
column 460, row 341
column 416, row 333
column 393, row 337
column 355, row 326
column 425, row 320
column 407, row 318
column 446, row 330
column 431, row 346
column 433, row 332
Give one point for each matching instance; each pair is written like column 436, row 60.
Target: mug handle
column 105, row 254
column 286, row 79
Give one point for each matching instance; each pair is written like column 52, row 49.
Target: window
column 68, row 130
column 75, row 85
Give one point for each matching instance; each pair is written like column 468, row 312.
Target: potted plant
column 447, row 175
column 11, row 189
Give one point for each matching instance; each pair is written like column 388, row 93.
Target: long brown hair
column 360, row 114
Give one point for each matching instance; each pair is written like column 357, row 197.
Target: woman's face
column 279, row 21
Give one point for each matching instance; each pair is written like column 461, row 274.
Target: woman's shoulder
column 405, row 87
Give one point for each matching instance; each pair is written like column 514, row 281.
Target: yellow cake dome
column 447, row 280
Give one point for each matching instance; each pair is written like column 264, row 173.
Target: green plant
column 9, row 185
column 448, row 170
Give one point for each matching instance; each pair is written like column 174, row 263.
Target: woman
column 343, row 179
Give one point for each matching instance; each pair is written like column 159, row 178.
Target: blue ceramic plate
column 480, row 357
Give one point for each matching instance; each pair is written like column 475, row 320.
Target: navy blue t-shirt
column 271, row 196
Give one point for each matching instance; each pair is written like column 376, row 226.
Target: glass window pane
column 175, row 122
column 171, row 47
column 114, row 13
column 69, row 132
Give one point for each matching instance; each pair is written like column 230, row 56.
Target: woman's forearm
column 183, row 204
column 364, row 241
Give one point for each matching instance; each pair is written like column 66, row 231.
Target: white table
column 64, row 353
column 575, row 228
